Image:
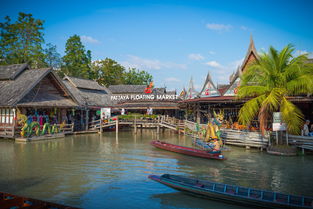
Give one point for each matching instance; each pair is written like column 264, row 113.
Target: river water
column 105, row 171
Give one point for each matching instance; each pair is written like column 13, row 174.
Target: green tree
column 76, row 61
column 108, row 72
column 269, row 81
column 52, row 57
column 22, row 41
column 137, row 77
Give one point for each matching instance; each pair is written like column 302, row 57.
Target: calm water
column 93, row 171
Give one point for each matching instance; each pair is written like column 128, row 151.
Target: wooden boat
column 13, row 201
column 188, row 150
column 234, row 194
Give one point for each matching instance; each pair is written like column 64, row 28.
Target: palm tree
column 270, row 81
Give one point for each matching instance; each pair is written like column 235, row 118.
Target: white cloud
column 172, row 79
column 150, row 64
column 219, row 27
column 211, row 52
column 300, row 52
column 89, row 39
column 244, row 27
column 214, row 64
column 195, row 57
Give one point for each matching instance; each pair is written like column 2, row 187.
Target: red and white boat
column 188, row 150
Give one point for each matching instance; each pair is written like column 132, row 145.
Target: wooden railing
column 7, row 131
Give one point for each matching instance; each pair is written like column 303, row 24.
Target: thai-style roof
column 191, row 92
column 209, row 89
column 127, row 89
column 22, row 88
column 9, row 72
column 251, row 55
column 95, row 96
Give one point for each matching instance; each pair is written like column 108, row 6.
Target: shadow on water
column 191, row 201
column 17, row 186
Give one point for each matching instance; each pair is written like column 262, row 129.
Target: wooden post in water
column 116, row 125
column 101, row 122
column 87, row 120
column 135, row 125
column 158, row 125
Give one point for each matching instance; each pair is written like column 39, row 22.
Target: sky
column 174, row 40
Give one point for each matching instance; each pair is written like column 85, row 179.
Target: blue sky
column 174, row 40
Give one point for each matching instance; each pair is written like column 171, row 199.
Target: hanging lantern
column 73, row 111
column 55, row 110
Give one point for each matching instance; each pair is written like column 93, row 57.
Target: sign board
column 105, row 113
column 277, row 117
column 279, row 126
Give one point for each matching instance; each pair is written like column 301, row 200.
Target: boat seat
column 268, row 196
column 242, row 191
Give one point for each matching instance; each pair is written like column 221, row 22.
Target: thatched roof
column 9, row 72
column 127, row 89
column 88, row 92
column 19, row 82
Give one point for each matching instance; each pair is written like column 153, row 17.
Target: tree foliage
column 108, row 72
column 271, row 80
column 137, row 77
column 21, row 42
column 52, row 57
column 76, row 61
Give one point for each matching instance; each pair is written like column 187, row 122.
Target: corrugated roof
column 9, row 72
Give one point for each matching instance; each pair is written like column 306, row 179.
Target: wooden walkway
column 159, row 122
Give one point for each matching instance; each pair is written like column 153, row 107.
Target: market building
column 222, row 98
column 91, row 97
column 39, row 94
column 140, row 98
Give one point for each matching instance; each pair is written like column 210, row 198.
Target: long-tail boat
column 188, row 150
column 13, row 201
column 234, row 194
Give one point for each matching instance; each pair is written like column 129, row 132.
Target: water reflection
column 109, row 170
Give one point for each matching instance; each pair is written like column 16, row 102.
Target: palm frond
column 301, row 85
column 251, row 91
column 292, row 116
column 272, row 101
column 250, row 109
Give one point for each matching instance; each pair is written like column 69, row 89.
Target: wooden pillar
column 198, row 114
column 87, row 120
column 101, row 121
column 135, row 124
column 72, row 126
column 116, row 125
column 158, row 125
column 14, row 121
